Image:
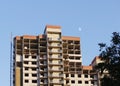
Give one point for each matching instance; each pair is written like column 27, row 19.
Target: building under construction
column 50, row 59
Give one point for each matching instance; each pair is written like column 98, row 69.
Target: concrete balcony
column 74, row 54
column 56, row 83
column 43, row 84
column 29, row 65
column 42, row 59
column 56, row 52
column 44, row 70
column 43, row 65
column 43, row 77
column 55, row 58
column 54, row 45
column 54, row 40
column 43, row 53
column 55, row 64
column 58, row 69
column 55, row 76
column 66, row 78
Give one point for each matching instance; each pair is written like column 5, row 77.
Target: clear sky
column 96, row 18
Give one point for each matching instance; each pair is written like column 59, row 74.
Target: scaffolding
column 11, row 62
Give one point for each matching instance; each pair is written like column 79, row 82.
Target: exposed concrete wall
column 18, row 76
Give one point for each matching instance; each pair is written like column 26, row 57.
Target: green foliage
column 111, row 61
column 106, row 81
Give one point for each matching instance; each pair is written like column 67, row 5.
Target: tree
column 110, row 55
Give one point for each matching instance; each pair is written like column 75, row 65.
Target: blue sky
column 96, row 18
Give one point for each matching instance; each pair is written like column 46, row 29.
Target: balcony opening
column 79, row 82
column 72, row 81
column 34, row 81
column 26, row 81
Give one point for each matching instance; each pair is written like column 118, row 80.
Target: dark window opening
column 92, row 82
column 72, row 75
column 67, row 75
column 33, row 69
column 19, row 64
column 33, row 57
column 72, row 81
column 26, row 56
column 34, row 63
column 34, row 75
column 34, row 81
column 67, row 82
column 79, row 75
column 26, row 68
column 86, row 76
column 26, row 74
column 79, row 82
column 25, row 62
column 26, row 81
column 86, row 82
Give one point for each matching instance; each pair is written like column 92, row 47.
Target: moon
column 80, row 29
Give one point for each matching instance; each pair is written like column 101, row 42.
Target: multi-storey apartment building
column 98, row 74
column 50, row 59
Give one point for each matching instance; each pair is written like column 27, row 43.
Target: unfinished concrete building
column 50, row 59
